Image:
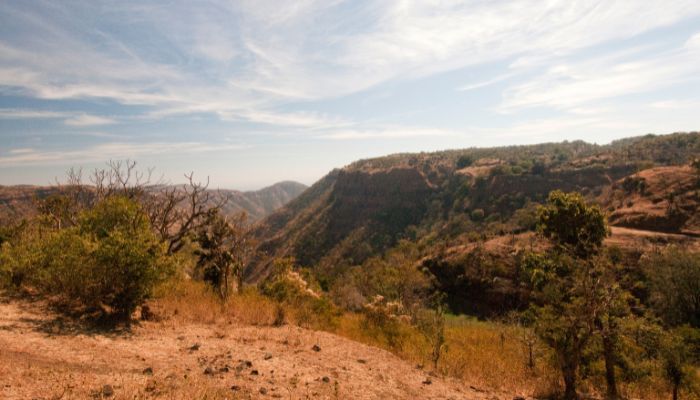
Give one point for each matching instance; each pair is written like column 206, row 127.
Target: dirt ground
column 43, row 356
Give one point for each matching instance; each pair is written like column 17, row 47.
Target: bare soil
column 44, row 356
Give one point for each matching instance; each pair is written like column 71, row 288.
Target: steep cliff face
column 350, row 214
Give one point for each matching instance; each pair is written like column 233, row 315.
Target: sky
column 249, row 93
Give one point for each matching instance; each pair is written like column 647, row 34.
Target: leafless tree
column 174, row 211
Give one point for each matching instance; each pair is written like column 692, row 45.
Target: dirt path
column 43, row 358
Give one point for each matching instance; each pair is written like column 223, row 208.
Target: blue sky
column 253, row 92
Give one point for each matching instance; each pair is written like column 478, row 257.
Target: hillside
column 452, row 203
column 44, row 356
column 17, row 201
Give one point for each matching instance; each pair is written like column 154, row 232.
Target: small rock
column 107, row 391
column 263, row 390
column 208, row 371
column 195, row 347
column 316, row 348
column 427, row 381
column 518, row 398
column 224, row 369
column 267, row 356
column 235, row 388
column 151, row 386
column 148, row 371
column 254, row 372
column 326, row 379
column 361, row 361
column 243, row 365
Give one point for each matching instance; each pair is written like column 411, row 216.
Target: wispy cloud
column 13, row 113
column 88, row 120
column 106, row 151
column 569, row 85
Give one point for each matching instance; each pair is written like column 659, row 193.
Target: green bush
column 477, row 215
column 109, row 262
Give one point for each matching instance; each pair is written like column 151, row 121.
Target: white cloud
column 88, row 120
column 14, row 113
column 571, row 85
column 106, row 151
column 25, row 150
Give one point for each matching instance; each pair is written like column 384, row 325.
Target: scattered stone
column 476, row 389
column 267, row 356
column 362, row 361
column 263, row 390
column 235, row 388
column 243, row 365
column 427, row 381
column 107, row 391
column 518, row 398
column 208, row 371
column 195, row 347
column 148, row 371
column 254, row 372
column 224, row 369
column 151, row 386
column 316, row 348
column 326, row 379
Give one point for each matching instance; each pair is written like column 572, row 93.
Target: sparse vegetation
column 466, row 227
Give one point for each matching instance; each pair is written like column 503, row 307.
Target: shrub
column 464, row 161
column 477, row 215
column 291, row 286
column 109, row 262
column 674, row 277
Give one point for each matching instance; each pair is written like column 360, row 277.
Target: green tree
column 569, row 222
column 565, row 280
column 676, row 364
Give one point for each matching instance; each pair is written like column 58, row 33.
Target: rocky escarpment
column 350, row 214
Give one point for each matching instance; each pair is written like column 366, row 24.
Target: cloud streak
column 107, row 151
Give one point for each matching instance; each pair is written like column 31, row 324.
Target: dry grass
column 191, row 301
